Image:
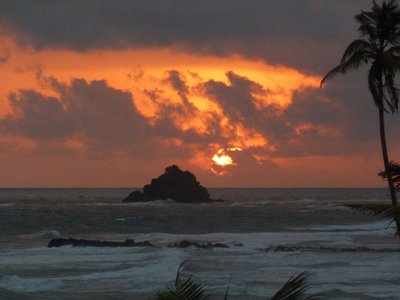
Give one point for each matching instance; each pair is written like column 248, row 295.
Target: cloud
column 336, row 120
column 102, row 120
column 90, row 110
column 236, row 97
column 37, row 117
column 4, row 53
column 105, row 120
column 270, row 30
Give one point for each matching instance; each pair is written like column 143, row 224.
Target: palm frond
column 380, row 22
column 393, row 50
column 390, row 91
column 331, row 74
column 184, row 288
column 373, row 84
column 395, row 173
column 379, row 29
column 359, row 47
column 384, row 210
column 295, row 289
column 351, row 63
column 227, row 289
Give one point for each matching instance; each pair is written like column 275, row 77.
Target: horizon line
column 208, row 187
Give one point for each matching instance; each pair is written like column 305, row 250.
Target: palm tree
column 379, row 47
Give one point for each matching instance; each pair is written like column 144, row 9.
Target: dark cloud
column 339, row 119
column 271, row 30
column 105, row 119
column 236, row 97
column 95, row 111
column 38, row 117
column 4, row 53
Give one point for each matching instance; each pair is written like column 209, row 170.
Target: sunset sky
column 109, row 93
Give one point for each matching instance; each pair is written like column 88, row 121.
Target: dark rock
column 174, row 184
column 136, row 196
column 284, row 248
column 187, row 244
column 59, row 242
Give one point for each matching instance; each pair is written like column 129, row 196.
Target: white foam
column 144, row 270
column 379, row 227
column 250, row 241
column 29, row 285
column 7, row 204
column 49, row 234
column 308, row 201
column 153, row 203
column 248, row 203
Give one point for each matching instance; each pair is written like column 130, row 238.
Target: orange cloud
column 164, row 84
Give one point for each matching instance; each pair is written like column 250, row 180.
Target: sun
column 223, row 159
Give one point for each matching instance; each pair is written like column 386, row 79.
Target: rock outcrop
column 59, row 242
column 284, row 248
column 174, row 184
column 187, row 244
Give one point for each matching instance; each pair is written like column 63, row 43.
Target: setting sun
column 222, row 159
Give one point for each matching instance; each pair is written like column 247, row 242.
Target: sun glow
column 223, row 159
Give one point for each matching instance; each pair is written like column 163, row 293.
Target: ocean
column 347, row 254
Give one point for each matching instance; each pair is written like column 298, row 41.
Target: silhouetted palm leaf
column 184, row 288
column 395, row 171
column 227, row 289
column 295, row 289
column 383, row 210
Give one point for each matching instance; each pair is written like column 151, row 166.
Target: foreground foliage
column 295, row 289
column 185, row 288
column 395, row 172
column 391, row 212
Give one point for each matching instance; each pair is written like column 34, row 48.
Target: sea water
column 249, row 221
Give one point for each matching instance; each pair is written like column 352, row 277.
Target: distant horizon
column 208, row 187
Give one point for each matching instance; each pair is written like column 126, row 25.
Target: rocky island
column 174, row 184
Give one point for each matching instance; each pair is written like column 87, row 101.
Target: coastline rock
column 59, row 242
column 186, row 244
column 174, row 184
column 284, row 248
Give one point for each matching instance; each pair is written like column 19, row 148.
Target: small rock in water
column 174, row 184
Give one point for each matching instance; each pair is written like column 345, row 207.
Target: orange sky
column 142, row 73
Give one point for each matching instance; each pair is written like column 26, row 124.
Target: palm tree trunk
column 385, row 155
